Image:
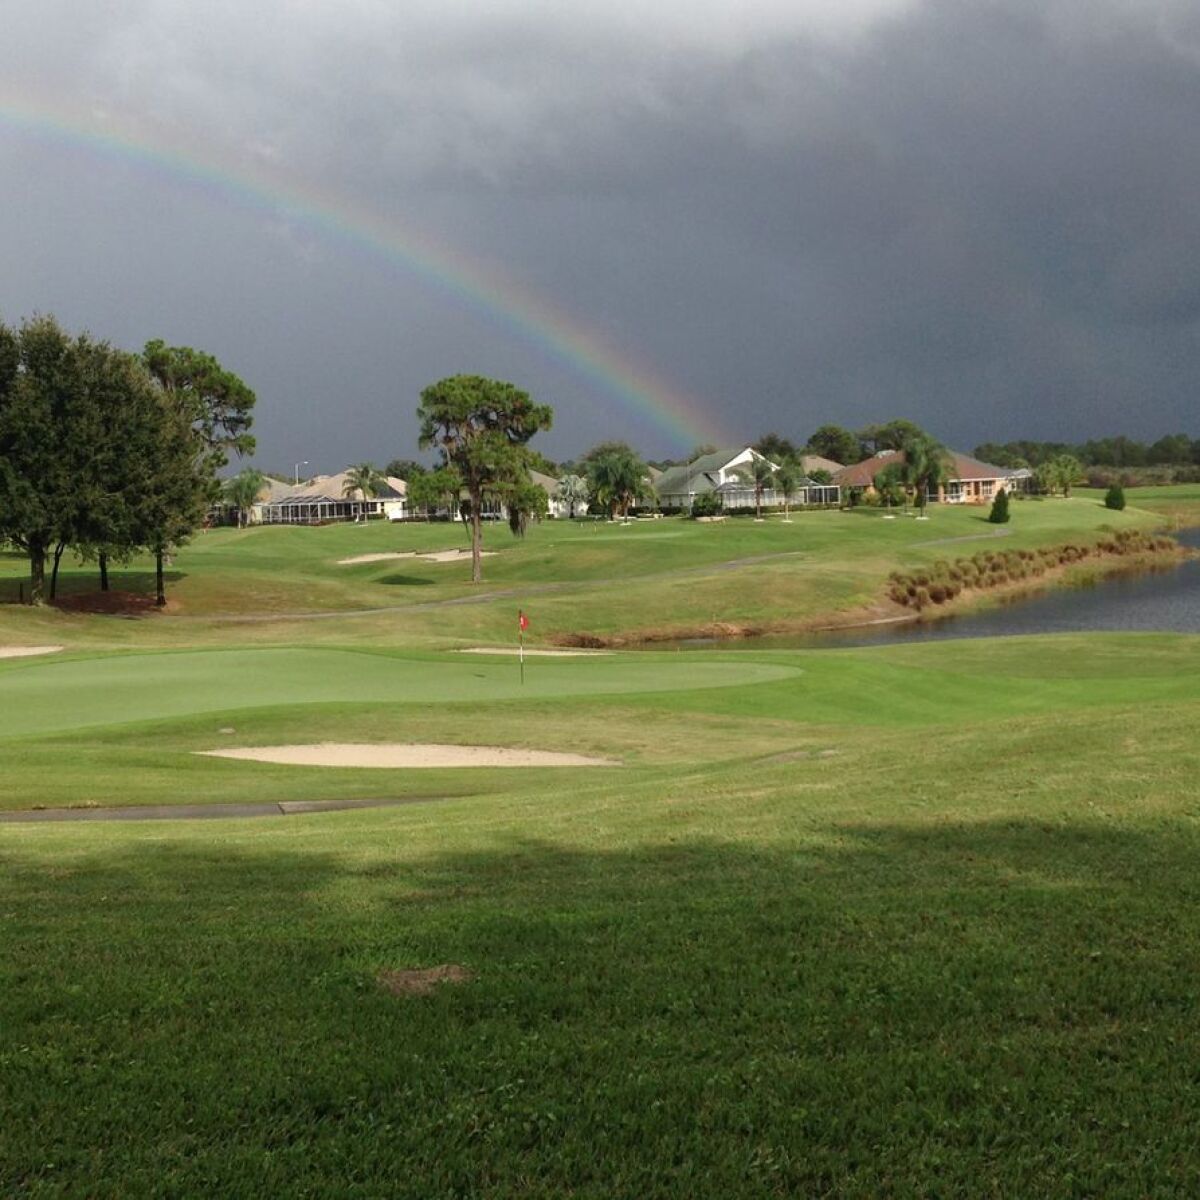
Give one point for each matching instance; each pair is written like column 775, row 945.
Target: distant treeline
column 1172, row 450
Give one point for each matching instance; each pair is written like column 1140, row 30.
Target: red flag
column 522, row 621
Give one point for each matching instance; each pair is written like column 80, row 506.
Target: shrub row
column 993, row 568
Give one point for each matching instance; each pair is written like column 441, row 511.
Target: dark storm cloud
column 980, row 215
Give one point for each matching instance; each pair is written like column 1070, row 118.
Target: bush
column 706, row 505
column 1114, row 498
column 999, row 513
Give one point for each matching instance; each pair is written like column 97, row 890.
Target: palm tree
column 1067, row 471
column 363, row 482
column 242, row 492
column 763, row 475
column 616, row 478
column 892, row 484
column 787, row 480
column 927, row 465
column 572, row 490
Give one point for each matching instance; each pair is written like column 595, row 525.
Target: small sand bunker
column 406, row 755
column 535, row 653
column 27, row 651
column 453, row 555
column 421, row 981
column 438, row 556
column 369, row 558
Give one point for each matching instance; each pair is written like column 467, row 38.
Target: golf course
column 908, row 920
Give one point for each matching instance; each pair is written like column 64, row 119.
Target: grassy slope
column 586, row 576
column 953, row 956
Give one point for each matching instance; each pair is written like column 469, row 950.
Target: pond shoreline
column 1095, row 568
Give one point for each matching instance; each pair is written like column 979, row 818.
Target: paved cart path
column 200, row 812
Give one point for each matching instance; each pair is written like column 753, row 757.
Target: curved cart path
column 200, row 812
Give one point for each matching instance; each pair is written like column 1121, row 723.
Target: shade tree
column 836, row 443
column 481, row 428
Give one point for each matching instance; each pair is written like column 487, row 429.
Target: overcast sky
column 982, row 216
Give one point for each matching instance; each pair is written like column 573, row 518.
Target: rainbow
column 476, row 287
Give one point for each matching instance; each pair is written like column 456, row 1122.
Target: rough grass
column 914, row 921
column 946, row 959
column 249, row 585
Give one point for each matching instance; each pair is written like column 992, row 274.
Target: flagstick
column 521, row 643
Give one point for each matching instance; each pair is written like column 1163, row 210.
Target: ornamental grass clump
column 987, row 569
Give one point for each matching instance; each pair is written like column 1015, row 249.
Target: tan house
column 323, row 498
column 971, row 481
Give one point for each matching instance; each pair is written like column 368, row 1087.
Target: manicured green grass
column 133, row 722
column 915, row 921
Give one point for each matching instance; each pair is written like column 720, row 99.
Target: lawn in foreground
column 947, row 950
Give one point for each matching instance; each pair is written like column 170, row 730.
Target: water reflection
column 1166, row 600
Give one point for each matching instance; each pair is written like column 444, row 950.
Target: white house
column 729, row 474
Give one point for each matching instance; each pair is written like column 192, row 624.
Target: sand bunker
column 533, row 653
column 350, row 754
column 27, row 651
column 367, row 558
column 432, row 556
column 453, row 555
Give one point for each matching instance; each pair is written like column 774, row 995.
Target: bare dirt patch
column 113, row 603
column 422, row 981
column 27, row 651
column 429, row 755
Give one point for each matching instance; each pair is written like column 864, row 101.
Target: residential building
column 324, row 499
column 970, row 482
column 729, row 475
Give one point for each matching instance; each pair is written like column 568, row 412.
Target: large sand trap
column 432, row 556
column 350, row 754
column 534, row 653
column 27, row 651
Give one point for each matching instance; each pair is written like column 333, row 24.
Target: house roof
column 274, row 490
column 814, row 462
column 331, row 488
column 694, row 477
column 963, row 467
column 547, row 483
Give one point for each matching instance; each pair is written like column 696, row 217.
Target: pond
column 1166, row 600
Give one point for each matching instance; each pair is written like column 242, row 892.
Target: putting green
column 40, row 696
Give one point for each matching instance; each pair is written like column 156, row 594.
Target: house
column 555, row 506
column 729, row 475
column 323, row 499
column 970, row 482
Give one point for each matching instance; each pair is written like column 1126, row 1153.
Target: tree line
column 1174, row 450
column 107, row 454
